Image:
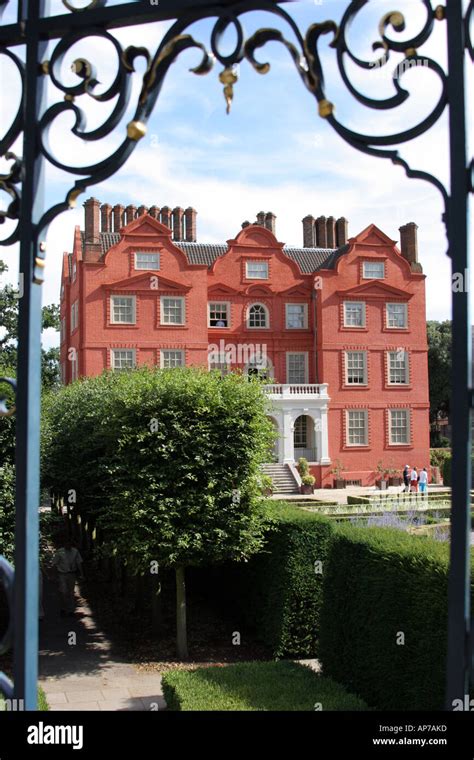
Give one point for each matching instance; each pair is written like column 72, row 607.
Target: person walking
column 68, row 563
column 406, row 479
column 414, row 480
column 423, row 480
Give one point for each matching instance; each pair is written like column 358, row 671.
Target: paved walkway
column 77, row 669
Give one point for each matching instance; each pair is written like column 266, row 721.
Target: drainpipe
column 313, row 298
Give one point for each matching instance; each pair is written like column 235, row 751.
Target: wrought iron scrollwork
column 9, row 182
column 304, row 51
column 5, row 410
column 6, row 580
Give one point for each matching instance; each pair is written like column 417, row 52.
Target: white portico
column 300, row 415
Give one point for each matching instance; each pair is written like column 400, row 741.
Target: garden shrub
column 381, row 585
column 447, row 468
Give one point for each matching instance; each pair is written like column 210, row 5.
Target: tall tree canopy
column 168, row 461
column 9, row 306
column 439, row 368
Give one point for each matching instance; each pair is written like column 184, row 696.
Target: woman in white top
column 414, row 480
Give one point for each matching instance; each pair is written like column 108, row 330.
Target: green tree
column 439, row 368
column 9, row 307
column 174, row 459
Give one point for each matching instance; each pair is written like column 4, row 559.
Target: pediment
column 258, row 290
column 298, row 291
column 222, row 290
column 372, row 235
column 148, row 281
column 147, row 226
column 375, row 290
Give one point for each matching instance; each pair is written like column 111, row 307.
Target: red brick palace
column 338, row 324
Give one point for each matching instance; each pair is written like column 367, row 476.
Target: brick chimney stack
column 106, row 217
column 341, row 231
column 331, row 232
column 154, row 211
column 321, row 232
column 118, row 217
column 178, row 223
column 142, row 210
column 309, row 232
column 166, row 216
column 261, row 218
column 130, row 212
column 191, row 225
column 270, row 222
column 409, row 242
column 92, row 220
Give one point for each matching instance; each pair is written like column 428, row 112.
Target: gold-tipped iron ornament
column 228, row 78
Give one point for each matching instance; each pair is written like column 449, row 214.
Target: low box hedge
column 384, row 617
column 278, row 686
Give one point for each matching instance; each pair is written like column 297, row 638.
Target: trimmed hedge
column 278, row 593
column 255, row 686
column 381, row 585
column 447, row 467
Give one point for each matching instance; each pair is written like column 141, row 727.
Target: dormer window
column 373, row 270
column 146, row 260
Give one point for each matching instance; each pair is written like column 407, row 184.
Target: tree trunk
column 181, row 635
column 156, row 609
column 139, row 593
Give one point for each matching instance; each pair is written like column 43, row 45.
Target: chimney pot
column 321, row 232
column 178, row 223
column 92, row 220
column 106, row 217
column 309, row 232
column 142, row 210
column 261, row 218
column 166, row 216
column 331, row 232
column 341, row 231
column 409, row 242
column 154, row 211
column 119, row 211
column 191, row 225
column 270, row 222
column 130, row 212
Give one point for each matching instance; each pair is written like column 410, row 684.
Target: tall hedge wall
column 384, row 617
column 447, row 470
column 278, row 593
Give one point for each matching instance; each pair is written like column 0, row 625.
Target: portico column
column 323, row 436
column 288, row 439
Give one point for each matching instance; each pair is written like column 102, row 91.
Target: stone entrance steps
column 282, row 478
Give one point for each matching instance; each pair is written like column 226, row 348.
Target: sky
column 272, row 152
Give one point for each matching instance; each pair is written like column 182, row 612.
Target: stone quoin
column 338, row 325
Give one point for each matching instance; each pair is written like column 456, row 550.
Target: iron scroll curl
column 304, row 50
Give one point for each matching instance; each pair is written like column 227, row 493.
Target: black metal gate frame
column 23, row 183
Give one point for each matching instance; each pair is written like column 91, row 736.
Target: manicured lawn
column 280, row 685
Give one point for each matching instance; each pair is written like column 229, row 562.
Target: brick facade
column 298, row 300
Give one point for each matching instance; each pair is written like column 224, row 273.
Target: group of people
column 414, row 480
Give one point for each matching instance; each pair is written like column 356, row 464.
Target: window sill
column 128, row 325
